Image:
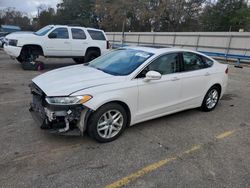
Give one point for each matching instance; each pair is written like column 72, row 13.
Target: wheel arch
column 94, row 48
column 122, row 103
column 214, row 85
column 217, row 85
column 38, row 48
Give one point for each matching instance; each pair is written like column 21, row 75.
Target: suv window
column 165, row 64
column 78, row 34
column 61, row 33
column 192, row 61
column 96, row 35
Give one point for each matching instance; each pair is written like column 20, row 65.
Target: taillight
column 108, row 45
column 226, row 71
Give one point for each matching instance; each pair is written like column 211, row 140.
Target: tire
column 91, row 55
column 97, row 123
column 211, row 99
column 79, row 60
column 26, row 58
column 38, row 66
column 19, row 59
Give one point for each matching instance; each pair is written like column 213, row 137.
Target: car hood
column 18, row 35
column 68, row 80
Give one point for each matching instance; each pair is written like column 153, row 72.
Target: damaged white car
column 125, row 87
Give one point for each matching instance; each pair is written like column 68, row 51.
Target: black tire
column 26, row 56
column 91, row 55
column 205, row 105
column 38, row 66
column 96, row 117
column 79, row 60
column 20, row 59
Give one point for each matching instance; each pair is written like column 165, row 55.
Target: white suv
column 81, row 44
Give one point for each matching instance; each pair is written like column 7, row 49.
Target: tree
column 226, row 15
column 12, row 17
column 46, row 17
column 76, row 12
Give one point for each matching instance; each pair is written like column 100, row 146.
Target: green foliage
column 226, row 15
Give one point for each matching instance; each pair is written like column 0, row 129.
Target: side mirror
column 152, row 75
column 52, row 35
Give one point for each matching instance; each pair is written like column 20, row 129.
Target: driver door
column 159, row 97
column 59, row 44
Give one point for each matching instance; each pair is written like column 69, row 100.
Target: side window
column 78, row 34
column 60, row 33
column 96, row 35
column 165, row 64
column 192, row 61
column 208, row 62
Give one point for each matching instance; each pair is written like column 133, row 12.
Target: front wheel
column 211, row 99
column 107, row 123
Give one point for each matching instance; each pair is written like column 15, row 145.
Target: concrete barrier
column 233, row 45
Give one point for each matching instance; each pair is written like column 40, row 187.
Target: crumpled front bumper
column 63, row 119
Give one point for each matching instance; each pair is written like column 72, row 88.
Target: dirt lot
column 188, row 149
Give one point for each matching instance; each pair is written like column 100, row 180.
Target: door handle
column 175, row 79
column 66, row 42
column 207, row 74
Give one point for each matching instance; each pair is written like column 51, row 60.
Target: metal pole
column 174, row 39
column 123, row 31
column 229, row 44
column 197, row 43
column 153, row 39
column 138, row 41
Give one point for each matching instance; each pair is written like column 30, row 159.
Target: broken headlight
column 72, row 100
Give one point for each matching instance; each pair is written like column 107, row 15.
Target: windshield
column 120, row 62
column 44, row 30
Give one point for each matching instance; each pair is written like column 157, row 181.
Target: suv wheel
column 79, row 60
column 91, row 55
column 107, row 123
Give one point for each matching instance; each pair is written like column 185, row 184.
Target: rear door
column 58, row 42
column 98, row 39
column 79, row 42
column 195, row 76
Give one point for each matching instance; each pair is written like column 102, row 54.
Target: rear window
column 96, row 35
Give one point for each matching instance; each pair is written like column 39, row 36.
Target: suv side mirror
column 152, row 75
column 52, row 35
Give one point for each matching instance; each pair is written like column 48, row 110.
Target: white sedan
column 125, row 87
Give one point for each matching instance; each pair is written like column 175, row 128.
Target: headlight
column 68, row 100
column 13, row 42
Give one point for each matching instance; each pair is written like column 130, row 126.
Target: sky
column 28, row 6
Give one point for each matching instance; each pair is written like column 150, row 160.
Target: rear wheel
column 91, row 55
column 211, row 99
column 107, row 123
column 79, row 60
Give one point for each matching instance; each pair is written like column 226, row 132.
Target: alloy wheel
column 212, row 99
column 110, row 124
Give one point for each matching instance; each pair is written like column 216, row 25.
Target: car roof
column 159, row 50
column 75, row 26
